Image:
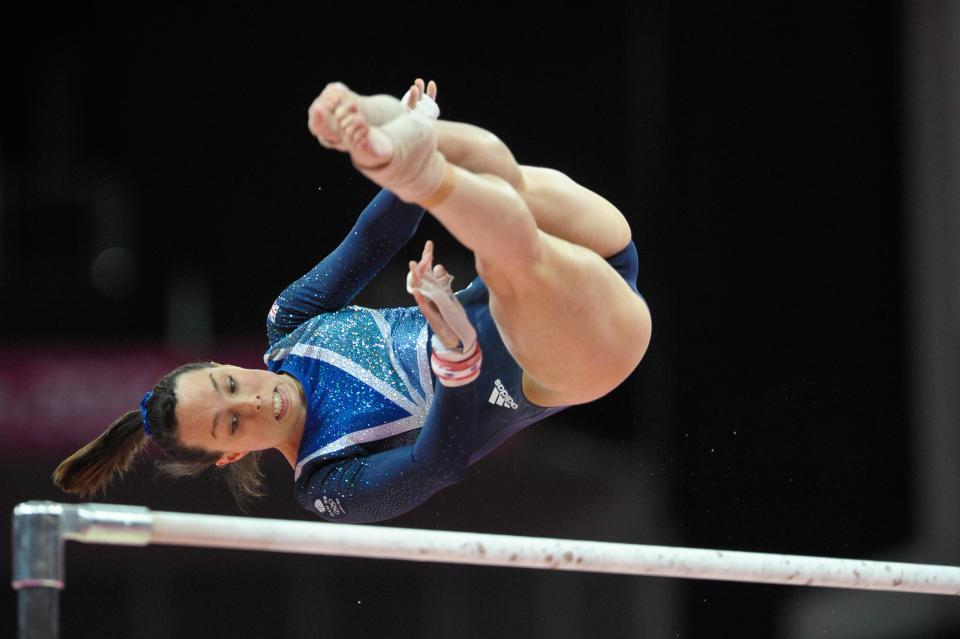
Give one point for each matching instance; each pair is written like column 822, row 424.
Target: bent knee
column 490, row 146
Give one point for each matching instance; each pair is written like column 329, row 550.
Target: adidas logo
column 501, row 397
column 331, row 506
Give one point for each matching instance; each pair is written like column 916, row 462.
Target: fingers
column 420, row 270
column 424, row 266
column 436, row 321
column 430, row 88
column 415, row 279
column 417, row 272
column 426, row 260
column 419, row 89
column 413, row 96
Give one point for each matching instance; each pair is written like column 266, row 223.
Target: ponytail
column 91, row 469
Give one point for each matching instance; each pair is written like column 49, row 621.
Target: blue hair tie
column 143, row 413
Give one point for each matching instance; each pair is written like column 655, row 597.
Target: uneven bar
column 379, row 542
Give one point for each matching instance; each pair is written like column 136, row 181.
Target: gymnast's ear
column 229, row 458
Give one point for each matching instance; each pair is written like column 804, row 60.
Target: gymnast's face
column 233, row 410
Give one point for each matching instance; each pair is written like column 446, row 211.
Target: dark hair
column 91, row 469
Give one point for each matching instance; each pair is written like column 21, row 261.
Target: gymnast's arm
column 387, row 484
column 382, row 229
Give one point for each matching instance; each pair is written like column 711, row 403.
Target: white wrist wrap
column 427, row 106
column 438, row 291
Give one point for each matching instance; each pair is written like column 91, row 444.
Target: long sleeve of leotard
column 382, row 229
column 375, row 487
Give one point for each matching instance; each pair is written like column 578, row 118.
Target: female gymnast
column 377, row 410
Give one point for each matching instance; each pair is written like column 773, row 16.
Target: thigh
column 571, row 321
column 567, row 210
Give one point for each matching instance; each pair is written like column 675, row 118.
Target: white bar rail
column 377, row 542
column 108, row 524
column 40, row 528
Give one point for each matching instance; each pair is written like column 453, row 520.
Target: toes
column 317, row 117
column 359, row 134
column 331, row 97
column 350, row 119
column 354, row 128
column 334, row 89
column 345, row 108
column 320, row 116
column 313, row 124
column 330, row 100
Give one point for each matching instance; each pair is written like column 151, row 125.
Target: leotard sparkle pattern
column 381, row 435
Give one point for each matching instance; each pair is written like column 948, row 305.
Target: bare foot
column 326, row 114
column 320, row 116
column 393, row 146
column 400, row 156
column 369, row 147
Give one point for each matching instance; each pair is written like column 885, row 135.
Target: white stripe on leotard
column 350, row 367
column 383, row 431
column 387, row 334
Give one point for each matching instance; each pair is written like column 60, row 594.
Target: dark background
column 757, row 152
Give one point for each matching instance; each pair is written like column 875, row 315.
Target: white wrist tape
column 427, row 106
column 438, row 291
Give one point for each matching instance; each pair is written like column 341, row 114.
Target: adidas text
column 501, row 397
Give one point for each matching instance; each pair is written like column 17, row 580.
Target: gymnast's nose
column 252, row 404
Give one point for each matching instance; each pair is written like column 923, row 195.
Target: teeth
column 277, row 404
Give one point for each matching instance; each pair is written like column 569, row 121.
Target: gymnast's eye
column 234, row 421
column 231, row 384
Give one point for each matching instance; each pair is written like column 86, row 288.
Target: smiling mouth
column 280, row 404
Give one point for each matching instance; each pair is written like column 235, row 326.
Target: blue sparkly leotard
column 381, row 435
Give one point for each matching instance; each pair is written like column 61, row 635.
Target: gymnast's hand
column 422, row 99
column 425, row 281
column 456, row 357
